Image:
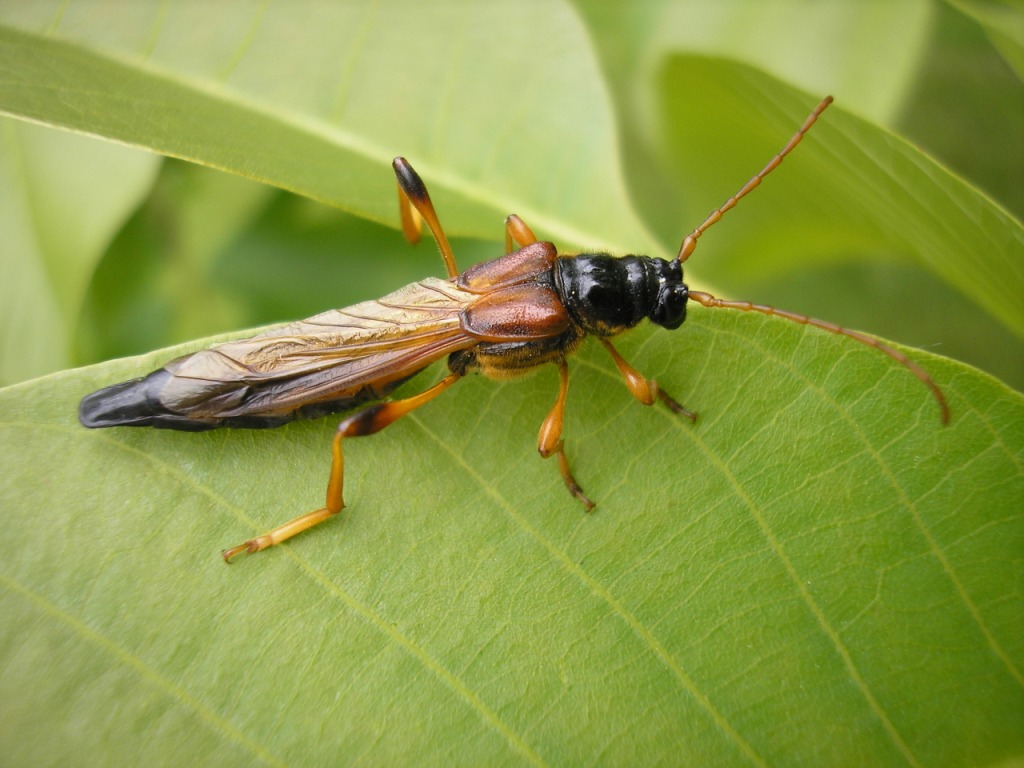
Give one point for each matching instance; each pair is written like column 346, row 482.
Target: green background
column 816, row 572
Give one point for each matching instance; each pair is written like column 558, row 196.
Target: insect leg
column 643, row 389
column 363, row 422
column 549, row 441
column 415, row 207
column 517, row 231
column 711, row 301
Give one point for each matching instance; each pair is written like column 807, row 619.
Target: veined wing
column 331, row 356
column 326, row 363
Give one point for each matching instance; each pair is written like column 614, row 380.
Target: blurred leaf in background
column 918, row 81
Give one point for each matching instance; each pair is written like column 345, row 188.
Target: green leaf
column 58, row 212
column 1004, row 23
column 821, row 48
column 335, row 130
column 157, row 283
column 816, row 572
column 817, row 555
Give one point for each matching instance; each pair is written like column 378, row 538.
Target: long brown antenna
column 708, row 300
column 690, row 241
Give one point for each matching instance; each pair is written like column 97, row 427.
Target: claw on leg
column 281, row 533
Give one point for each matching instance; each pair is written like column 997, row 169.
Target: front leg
column 645, row 390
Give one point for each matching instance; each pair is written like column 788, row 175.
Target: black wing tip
column 137, row 403
column 126, row 404
column 134, row 403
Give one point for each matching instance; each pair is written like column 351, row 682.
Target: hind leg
column 364, row 422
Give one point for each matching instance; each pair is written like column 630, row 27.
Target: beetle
column 502, row 318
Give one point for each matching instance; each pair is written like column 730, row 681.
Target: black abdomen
column 135, row 403
column 141, row 403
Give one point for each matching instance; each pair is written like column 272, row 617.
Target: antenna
column 707, row 300
column 690, row 241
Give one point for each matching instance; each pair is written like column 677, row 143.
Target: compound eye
column 670, row 309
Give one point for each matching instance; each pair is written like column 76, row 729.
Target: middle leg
column 549, row 441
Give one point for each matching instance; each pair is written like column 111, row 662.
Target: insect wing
column 329, row 357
